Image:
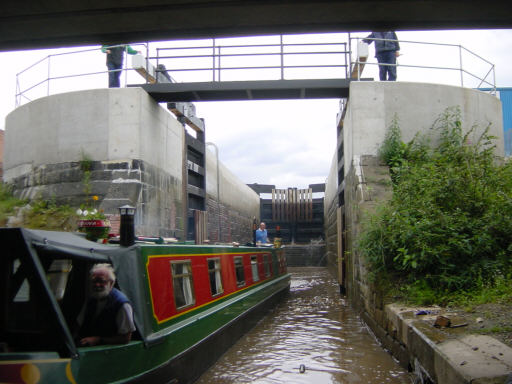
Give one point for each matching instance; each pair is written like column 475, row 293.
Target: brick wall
column 234, row 226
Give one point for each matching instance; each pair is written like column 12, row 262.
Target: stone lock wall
column 332, row 236
column 368, row 184
column 154, row 193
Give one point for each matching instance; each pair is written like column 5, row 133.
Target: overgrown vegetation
column 8, row 203
column 40, row 214
column 446, row 233
column 47, row 215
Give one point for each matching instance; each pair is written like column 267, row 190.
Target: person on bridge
column 386, row 51
column 115, row 57
column 261, row 234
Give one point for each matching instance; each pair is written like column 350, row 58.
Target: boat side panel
column 171, row 356
column 160, row 283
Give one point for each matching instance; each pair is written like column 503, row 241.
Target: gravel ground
column 489, row 319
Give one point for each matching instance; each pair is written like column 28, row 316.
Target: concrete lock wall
column 133, row 147
column 239, row 204
column 332, row 237
column 370, row 111
column 373, row 105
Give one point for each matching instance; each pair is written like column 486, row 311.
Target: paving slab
column 449, row 355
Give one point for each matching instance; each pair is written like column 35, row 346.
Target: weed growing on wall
column 7, row 203
column 447, row 228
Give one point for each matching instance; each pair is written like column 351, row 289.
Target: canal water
column 312, row 336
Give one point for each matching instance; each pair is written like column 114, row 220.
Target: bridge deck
column 249, row 90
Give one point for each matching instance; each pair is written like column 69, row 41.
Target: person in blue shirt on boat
column 386, row 51
column 261, row 234
column 107, row 317
column 115, row 57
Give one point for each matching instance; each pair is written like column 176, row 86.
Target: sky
column 287, row 143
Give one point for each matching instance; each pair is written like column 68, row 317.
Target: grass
column 494, row 329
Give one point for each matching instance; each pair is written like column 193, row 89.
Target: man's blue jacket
column 381, row 45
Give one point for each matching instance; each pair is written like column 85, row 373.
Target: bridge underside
column 52, row 23
column 248, row 90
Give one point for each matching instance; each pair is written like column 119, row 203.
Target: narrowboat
column 191, row 303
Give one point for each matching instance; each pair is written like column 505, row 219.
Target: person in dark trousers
column 386, row 51
column 115, row 56
column 107, row 317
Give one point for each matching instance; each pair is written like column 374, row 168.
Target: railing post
column 125, row 58
column 147, row 62
column 220, row 54
column 494, row 79
column 213, row 59
column 282, row 57
column 349, row 53
column 48, row 78
column 346, row 65
column 17, row 97
column 460, row 64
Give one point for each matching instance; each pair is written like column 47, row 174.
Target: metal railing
column 280, row 57
column 459, row 56
column 52, row 65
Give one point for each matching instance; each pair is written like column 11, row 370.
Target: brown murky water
column 314, row 328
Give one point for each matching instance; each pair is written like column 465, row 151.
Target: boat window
column 57, row 276
column 266, row 265
column 215, row 276
column 182, row 283
column 254, row 268
column 239, row 270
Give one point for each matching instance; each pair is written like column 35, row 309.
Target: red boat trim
column 160, row 321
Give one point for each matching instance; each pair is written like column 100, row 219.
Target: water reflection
column 314, row 328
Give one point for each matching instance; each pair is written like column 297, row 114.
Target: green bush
column 448, row 224
column 8, row 203
column 43, row 214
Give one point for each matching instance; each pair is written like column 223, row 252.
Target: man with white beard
column 107, row 317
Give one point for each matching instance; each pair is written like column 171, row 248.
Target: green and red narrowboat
column 190, row 304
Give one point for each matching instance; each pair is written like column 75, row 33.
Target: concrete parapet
column 373, row 106
column 99, row 124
